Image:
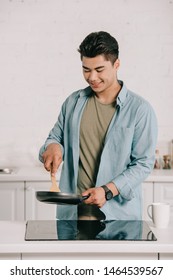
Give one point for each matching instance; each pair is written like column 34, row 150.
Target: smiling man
column 106, row 137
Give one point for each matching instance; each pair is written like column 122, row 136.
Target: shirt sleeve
column 142, row 153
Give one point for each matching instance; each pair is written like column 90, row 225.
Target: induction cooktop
column 47, row 230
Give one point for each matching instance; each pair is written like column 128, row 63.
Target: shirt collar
column 85, row 92
column 122, row 94
column 120, row 98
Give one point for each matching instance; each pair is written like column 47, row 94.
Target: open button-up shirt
column 127, row 157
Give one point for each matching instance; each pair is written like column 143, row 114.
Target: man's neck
column 109, row 96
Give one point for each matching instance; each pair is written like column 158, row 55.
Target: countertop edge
column 16, row 243
column 38, row 173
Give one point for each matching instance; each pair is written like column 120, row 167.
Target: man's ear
column 117, row 64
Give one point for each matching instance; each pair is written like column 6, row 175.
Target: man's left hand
column 97, row 194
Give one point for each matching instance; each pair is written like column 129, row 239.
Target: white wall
column 40, row 65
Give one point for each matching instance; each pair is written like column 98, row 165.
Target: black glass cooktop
column 88, row 230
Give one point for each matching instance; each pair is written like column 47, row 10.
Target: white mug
column 159, row 213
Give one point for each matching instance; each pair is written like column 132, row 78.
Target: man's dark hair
column 99, row 43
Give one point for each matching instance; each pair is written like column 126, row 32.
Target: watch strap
column 106, row 189
column 108, row 192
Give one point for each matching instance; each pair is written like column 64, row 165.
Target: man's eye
column 101, row 69
column 86, row 70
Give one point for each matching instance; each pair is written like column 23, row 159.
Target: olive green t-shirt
column 94, row 125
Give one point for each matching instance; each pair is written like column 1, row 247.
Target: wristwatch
column 108, row 193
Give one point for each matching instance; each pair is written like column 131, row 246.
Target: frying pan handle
column 85, row 197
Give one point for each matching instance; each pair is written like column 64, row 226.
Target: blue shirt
column 127, row 157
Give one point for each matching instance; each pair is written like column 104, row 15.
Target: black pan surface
column 59, row 197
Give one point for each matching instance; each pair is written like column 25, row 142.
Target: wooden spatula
column 54, row 187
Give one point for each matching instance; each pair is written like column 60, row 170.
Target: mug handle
column 148, row 211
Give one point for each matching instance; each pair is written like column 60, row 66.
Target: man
column 106, row 137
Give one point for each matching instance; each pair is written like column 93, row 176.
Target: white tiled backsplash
column 40, row 65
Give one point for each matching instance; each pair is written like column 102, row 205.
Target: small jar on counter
column 166, row 162
column 157, row 164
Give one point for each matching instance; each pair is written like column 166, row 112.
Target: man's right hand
column 52, row 158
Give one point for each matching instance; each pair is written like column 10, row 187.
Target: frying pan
column 59, row 197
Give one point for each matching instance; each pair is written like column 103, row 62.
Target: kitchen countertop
column 160, row 175
column 35, row 173
column 38, row 173
column 12, row 241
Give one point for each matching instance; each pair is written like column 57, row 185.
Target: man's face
column 99, row 73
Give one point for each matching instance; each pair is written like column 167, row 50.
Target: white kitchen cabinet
column 163, row 192
column 147, row 198
column 36, row 210
column 18, row 201
column 12, row 201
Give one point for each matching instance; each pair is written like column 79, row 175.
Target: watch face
column 109, row 195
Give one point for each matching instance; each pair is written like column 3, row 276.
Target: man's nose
column 93, row 76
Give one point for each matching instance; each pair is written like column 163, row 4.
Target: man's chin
column 97, row 89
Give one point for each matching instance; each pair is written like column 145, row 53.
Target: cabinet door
column 36, row 210
column 12, row 201
column 147, row 198
column 163, row 192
